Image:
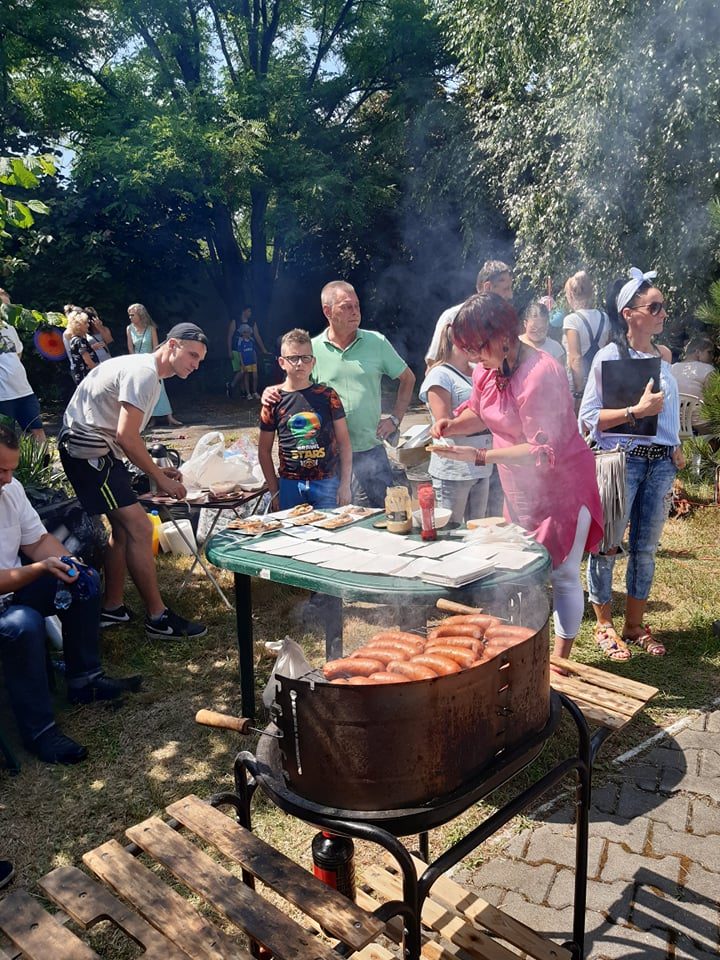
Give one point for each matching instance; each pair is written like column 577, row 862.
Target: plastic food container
column 172, row 542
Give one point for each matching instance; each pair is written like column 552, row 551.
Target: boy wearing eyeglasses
column 314, row 449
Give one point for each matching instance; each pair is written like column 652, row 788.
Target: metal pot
column 392, row 746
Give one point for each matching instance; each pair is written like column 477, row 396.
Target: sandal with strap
column 610, row 643
column 647, row 642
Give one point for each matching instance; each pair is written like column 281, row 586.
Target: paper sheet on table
column 514, row 559
column 436, row 549
column 307, row 532
column 280, row 540
column 459, row 569
column 385, row 544
column 337, row 557
column 300, row 549
column 372, row 563
column 417, row 567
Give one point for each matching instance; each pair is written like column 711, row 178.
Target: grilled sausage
column 360, row 681
column 406, row 646
column 443, row 666
column 339, row 680
column 385, row 653
column 396, row 636
column 457, row 630
column 465, row 658
column 351, row 667
column 505, row 630
column 386, row 677
column 483, row 620
column 413, row 671
column 465, row 643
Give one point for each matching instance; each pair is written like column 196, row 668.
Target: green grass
column 150, row 752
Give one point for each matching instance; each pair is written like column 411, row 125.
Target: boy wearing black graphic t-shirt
column 313, row 440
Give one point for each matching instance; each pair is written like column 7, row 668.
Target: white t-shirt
column 547, row 346
column 445, row 318
column 13, row 379
column 574, row 321
column 91, row 417
column 691, row 376
column 459, row 387
column 19, row 525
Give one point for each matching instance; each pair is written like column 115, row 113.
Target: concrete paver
column 653, row 890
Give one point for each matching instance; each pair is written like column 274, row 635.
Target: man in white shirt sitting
column 27, row 596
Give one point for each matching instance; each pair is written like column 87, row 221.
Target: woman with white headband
column 651, row 462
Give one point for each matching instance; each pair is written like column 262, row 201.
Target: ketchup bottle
column 426, row 499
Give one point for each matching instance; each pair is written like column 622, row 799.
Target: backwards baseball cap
column 187, row 331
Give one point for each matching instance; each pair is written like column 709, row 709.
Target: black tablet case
column 623, row 383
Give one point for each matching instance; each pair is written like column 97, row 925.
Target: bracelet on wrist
column 480, row 456
column 630, row 417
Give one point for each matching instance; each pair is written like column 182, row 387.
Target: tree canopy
column 598, row 124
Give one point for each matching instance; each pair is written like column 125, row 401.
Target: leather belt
column 649, row 451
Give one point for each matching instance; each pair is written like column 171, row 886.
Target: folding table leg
column 208, row 572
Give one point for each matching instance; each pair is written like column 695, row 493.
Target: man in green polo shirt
column 353, row 362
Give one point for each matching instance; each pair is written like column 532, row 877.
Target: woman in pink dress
column 547, row 471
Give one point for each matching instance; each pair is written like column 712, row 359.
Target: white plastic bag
column 208, row 464
column 290, row 662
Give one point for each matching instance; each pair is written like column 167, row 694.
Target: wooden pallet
column 157, row 916
column 605, row 699
column 454, row 919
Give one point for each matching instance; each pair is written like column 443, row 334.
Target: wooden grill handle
column 452, row 607
column 211, row 718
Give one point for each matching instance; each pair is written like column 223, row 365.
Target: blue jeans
column 371, row 472
column 319, row 493
column 22, row 650
column 647, row 484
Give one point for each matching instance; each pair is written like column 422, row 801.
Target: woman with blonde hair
column 459, row 486
column 585, row 331
column 142, row 337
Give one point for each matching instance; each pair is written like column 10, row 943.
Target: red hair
column 484, row 317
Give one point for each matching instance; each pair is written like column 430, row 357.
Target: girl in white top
column 459, row 486
column 583, row 329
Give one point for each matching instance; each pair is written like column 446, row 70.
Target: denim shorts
column 647, row 485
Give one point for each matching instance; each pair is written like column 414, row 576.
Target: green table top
column 225, row 550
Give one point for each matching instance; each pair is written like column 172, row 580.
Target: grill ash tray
column 266, row 768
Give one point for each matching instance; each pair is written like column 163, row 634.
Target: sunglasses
column 299, row 358
column 654, row 308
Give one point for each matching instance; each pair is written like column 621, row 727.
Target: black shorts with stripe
column 101, row 484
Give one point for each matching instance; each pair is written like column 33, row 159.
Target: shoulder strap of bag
column 458, row 372
column 594, row 339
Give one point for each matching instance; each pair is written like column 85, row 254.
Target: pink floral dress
column 535, row 406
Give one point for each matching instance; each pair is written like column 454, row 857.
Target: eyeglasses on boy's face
column 654, row 308
column 298, row 358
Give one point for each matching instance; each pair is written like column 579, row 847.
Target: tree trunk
column 232, row 266
column 260, row 270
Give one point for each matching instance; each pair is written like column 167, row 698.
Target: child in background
column 248, row 360
column 313, row 440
